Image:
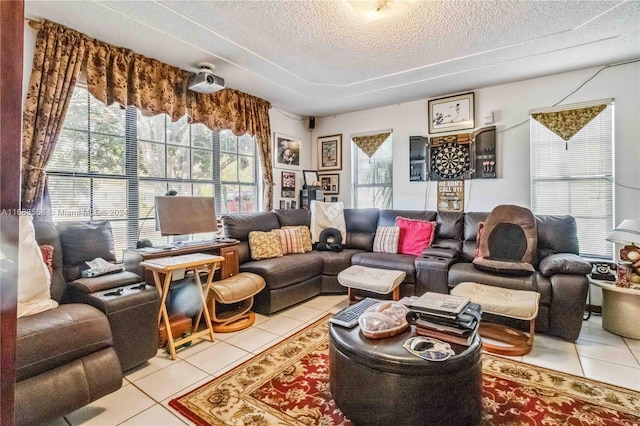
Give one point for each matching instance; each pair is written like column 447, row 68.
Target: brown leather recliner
column 64, row 356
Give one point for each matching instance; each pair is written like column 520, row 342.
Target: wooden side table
column 163, row 269
column 620, row 309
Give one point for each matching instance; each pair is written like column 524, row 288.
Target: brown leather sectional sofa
column 560, row 274
column 74, row 354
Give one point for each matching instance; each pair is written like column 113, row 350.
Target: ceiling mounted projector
column 204, row 81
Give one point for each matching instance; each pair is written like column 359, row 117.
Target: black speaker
column 312, row 122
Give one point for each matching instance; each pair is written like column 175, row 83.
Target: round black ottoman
column 378, row 382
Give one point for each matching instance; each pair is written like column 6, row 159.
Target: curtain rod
column 373, row 132
column 565, row 107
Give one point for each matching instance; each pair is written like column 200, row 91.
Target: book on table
column 445, row 305
column 460, row 330
column 445, row 337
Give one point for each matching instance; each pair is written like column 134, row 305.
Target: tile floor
column 147, row 390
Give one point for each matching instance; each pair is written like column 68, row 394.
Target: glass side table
column 620, row 309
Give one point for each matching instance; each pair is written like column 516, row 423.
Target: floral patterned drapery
column 116, row 74
column 57, row 63
column 369, row 144
column 568, row 122
column 242, row 114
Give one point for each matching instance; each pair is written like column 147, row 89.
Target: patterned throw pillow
column 386, row 240
column 415, row 235
column 290, row 240
column 305, row 232
column 264, row 245
column 47, row 256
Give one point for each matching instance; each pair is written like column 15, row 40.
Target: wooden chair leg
column 516, row 342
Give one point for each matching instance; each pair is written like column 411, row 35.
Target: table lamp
column 627, row 234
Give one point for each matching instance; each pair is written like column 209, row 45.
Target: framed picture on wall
column 286, row 152
column 310, row 177
column 288, row 185
column 451, row 113
column 330, row 183
column 330, row 152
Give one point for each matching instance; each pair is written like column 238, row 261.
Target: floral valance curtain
column 116, row 74
column 568, row 122
column 369, row 144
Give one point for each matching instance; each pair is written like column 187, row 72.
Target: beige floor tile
column 609, row 372
column 545, row 341
column 260, row 318
column 637, row 355
column 601, row 336
column 280, row 325
column 170, row 380
column 553, row 359
column 252, row 338
column 594, row 322
column 195, row 385
column 302, row 313
column 112, row 409
column 613, row 354
column 632, row 344
column 197, row 346
column 325, row 302
column 216, row 357
column 156, row 415
column 158, row 362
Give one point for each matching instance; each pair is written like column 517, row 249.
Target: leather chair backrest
column 239, row 225
column 361, row 227
column 509, row 234
column 47, row 234
column 82, row 241
column 557, row 234
column 293, row 217
column 449, row 231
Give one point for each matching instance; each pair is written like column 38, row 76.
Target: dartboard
column 450, row 160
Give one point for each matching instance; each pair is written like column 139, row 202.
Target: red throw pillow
column 47, row 256
column 415, row 235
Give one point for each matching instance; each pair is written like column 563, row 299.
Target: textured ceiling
column 324, row 57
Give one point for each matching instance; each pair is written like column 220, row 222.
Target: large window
column 110, row 163
column 575, row 178
column 373, row 177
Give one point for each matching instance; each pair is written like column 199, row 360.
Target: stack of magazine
column 452, row 319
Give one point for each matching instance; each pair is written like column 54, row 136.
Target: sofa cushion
column 327, row 215
column 386, row 239
column 264, row 245
column 290, row 240
column 335, row 262
column 415, row 235
column 34, row 278
column 82, row 241
column 398, row 262
column 305, row 234
column 56, row 337
column 287, row 270
column 293, row 217
column 361, row 228
column 556, row 234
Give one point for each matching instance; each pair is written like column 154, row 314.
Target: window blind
column 576, row 179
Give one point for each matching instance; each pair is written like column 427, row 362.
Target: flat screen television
column 185, row 215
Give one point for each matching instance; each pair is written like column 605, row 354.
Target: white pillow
column 327, row 215
column 33, row 275
column 386, row 239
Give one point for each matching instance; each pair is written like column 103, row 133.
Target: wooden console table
column 162, row 269
column 229, row 250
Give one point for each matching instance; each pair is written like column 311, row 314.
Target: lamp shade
column 628, row 232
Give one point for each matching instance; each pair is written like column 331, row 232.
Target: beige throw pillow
column 305, row 233
column 264, row 245
column 290, row 240
column 327, row 215
column 34, row 279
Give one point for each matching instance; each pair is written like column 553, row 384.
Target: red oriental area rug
column 288, row 385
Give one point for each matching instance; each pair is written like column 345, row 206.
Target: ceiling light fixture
column 375, row 9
